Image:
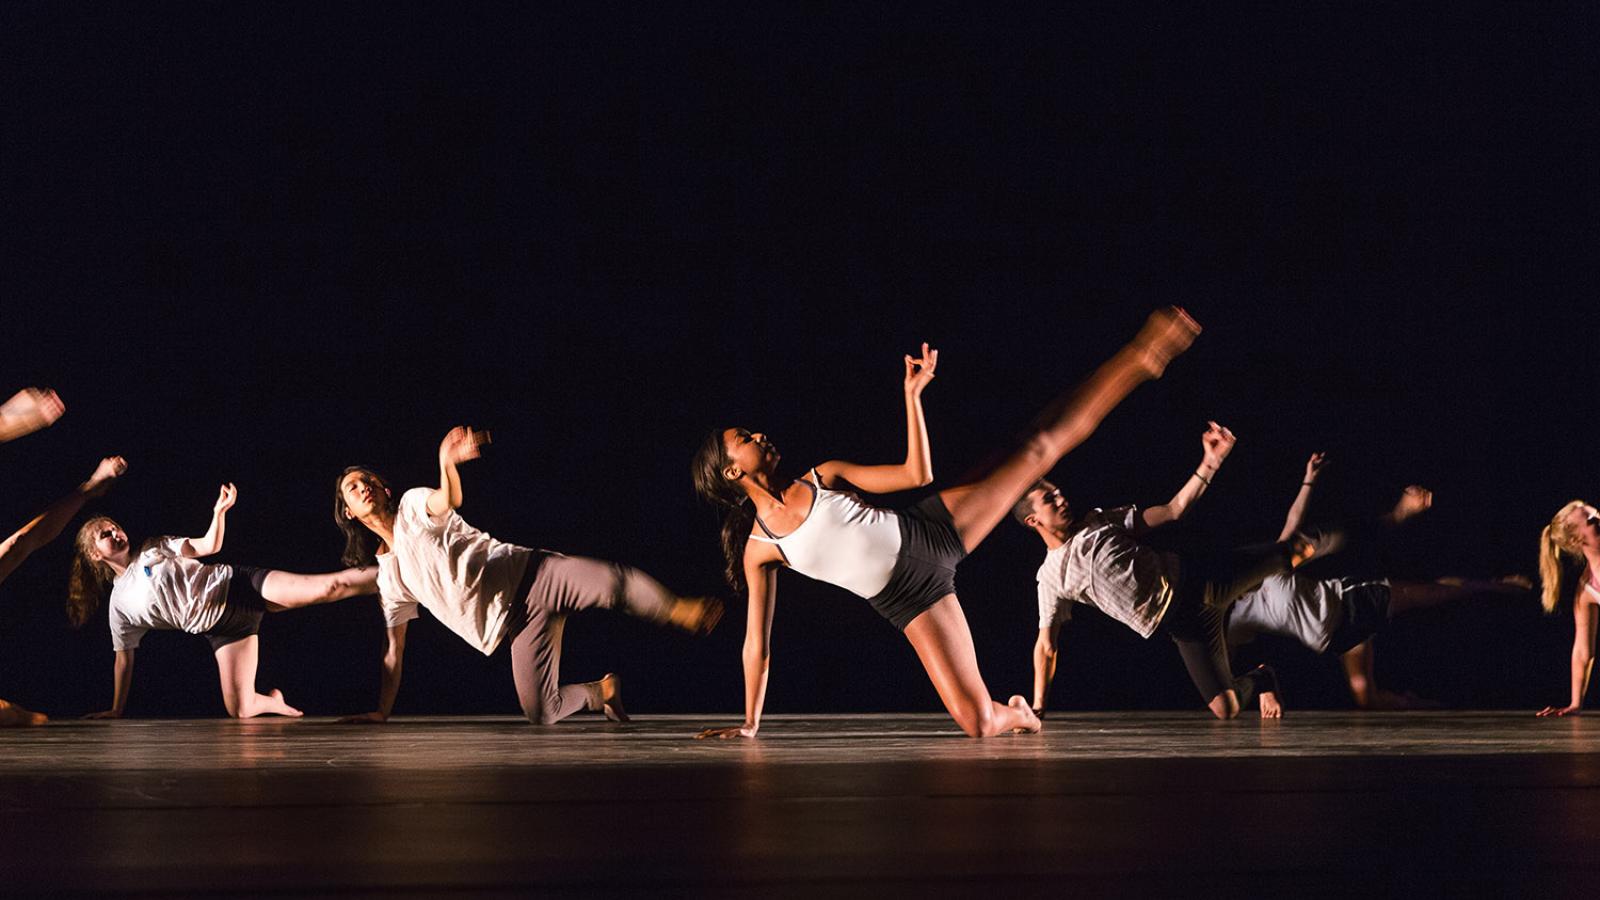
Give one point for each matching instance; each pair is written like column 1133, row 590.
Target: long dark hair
column 739, row 513
column 360, row 544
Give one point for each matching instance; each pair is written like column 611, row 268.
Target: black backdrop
column 260, row 243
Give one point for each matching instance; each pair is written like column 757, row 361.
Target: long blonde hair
column 90, row 579
column 1556, row 539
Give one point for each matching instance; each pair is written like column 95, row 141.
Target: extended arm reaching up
column 917, row 470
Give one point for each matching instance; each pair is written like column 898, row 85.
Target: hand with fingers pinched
column 919, row 370
column 462, row 444
column 227, row 496
column 1216, row 444
column 1314, row 466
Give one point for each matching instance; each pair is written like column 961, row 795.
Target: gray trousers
column 557, row 586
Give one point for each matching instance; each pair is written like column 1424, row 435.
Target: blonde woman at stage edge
column 1573, row 534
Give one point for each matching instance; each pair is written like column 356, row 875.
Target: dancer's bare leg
column 236, row 665
column 1358, row 671
column 14, row 716
column 1407, row 596
column 978, row 504
column 944, row 644
column 47, row 526
column 288, row 590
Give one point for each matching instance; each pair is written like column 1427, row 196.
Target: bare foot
column 14, row 716
column 611, row 697
column 276, row 705
column 29, row 410
column 1030, row 723
column 1414, row 501
column 696, row 615
column 1168, row 332
column 1270, row 707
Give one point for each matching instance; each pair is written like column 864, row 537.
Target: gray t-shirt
column 1106, row 566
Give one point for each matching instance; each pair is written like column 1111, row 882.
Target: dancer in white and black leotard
column 902, row 561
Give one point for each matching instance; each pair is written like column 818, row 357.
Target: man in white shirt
column 488, row 591
column 1100, row 560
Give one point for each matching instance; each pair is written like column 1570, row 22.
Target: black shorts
column 925, row 572
column 1366, row 611
column 242, row 610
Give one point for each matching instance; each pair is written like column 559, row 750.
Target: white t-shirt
column 1305, row 609
column 166, row 590
column 458, row 573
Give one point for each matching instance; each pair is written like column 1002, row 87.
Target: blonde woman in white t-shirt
column 487, row 591
column 163, row 586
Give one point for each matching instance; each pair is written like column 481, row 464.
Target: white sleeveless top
column 842, row 541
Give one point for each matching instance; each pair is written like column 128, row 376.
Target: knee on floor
column 1225, row 705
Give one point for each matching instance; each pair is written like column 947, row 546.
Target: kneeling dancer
column 488, row 591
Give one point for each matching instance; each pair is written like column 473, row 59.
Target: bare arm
column 1215, row 445
column 121, row 683
column 1585, row 616
column 760, row 572
column 1302, row 498
column 460, row 445
column 1046, row 650
column 47, row 526
column 211, row 541
column 917, row 470
column 394, row 654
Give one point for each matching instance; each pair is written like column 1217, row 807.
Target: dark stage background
column 261, row 243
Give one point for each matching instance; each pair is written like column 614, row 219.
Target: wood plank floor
column 884, row 805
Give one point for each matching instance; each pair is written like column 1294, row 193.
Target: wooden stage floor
column 1133, row 804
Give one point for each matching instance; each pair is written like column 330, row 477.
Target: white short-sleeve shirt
column 165, row 590
column 460, row 574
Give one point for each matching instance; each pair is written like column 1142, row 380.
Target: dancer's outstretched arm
column 121, row 683
column 1215, row 445
column 29, row 410
column 47, row 526
column 761, row 575
column 917, row 470
column 211, row 541
column 1046, row 652
column 460, row 445
column 393, row 657
column 1585, row 618
column 1302, row 498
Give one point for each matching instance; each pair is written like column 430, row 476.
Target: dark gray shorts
column 242, row 611
column 1366, row 611
column 925, row 572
